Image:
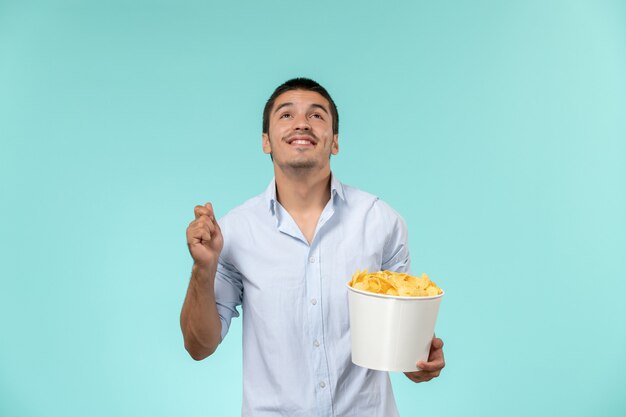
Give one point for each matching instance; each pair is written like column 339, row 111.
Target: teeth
column 301, row 142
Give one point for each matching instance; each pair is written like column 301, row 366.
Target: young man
column 285, row 256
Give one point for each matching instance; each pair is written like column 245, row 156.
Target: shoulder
column 374, row 205
column 241, row 224
column 244, row 213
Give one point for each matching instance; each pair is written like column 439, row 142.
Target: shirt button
column 316, row 343
column 313, row 301
column 312, row 259
column 322, row 384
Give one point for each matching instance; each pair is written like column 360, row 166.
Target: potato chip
column 394, row 283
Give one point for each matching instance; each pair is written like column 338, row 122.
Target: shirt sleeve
column 228, row 293
column 396, row 255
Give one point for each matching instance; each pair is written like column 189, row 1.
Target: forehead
column 301, row 98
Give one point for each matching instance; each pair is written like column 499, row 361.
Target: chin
column 302, row 164
column 298, row 163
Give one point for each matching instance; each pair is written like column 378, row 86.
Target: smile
column 301, row 140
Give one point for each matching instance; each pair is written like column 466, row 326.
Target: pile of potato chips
column 394, row 283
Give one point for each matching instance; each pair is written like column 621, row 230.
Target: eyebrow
column 314, row 105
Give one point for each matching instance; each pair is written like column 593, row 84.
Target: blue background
column 497, row 129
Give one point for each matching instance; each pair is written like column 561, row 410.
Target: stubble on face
column 303, row 163
column 290, row 157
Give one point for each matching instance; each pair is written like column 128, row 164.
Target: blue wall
column 497, row 129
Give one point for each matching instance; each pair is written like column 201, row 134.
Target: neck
column 302, row 192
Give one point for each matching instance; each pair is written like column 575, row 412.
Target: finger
column 209, row 207
column 420, row 376
column 425, row 375
column 431, row 366
column 412, row 377
column 437, row 343
column 419, row 379
column 200, row 211
column 199, row 226
column 435, row 354
column 204, row 236
column 436, row 351
column 205, row 224
column 200, row 222
column 211, row 212
column 435, row 361
column 198, row 235
column 218, row 229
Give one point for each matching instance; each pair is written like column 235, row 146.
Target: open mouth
column 301, row 140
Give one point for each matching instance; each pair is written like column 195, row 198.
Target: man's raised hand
column 204, row 237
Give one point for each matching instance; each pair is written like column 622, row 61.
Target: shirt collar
column 270, row 196
column 336, row 189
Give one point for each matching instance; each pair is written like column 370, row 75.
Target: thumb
column 209, row 206
column 437, row 343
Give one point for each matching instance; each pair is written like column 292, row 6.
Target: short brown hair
column 299, row 84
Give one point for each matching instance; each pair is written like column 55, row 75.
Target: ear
column 267, row 146
column 335, row 146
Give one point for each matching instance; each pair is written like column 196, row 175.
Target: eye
column 285, row 115
column 317, row 116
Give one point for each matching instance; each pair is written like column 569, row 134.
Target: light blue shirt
column 296, row 332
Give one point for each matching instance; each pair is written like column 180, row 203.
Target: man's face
column 300, row 134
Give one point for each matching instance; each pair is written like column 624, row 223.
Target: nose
column 301, row 122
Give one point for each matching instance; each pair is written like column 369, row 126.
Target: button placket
column 316, row 315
